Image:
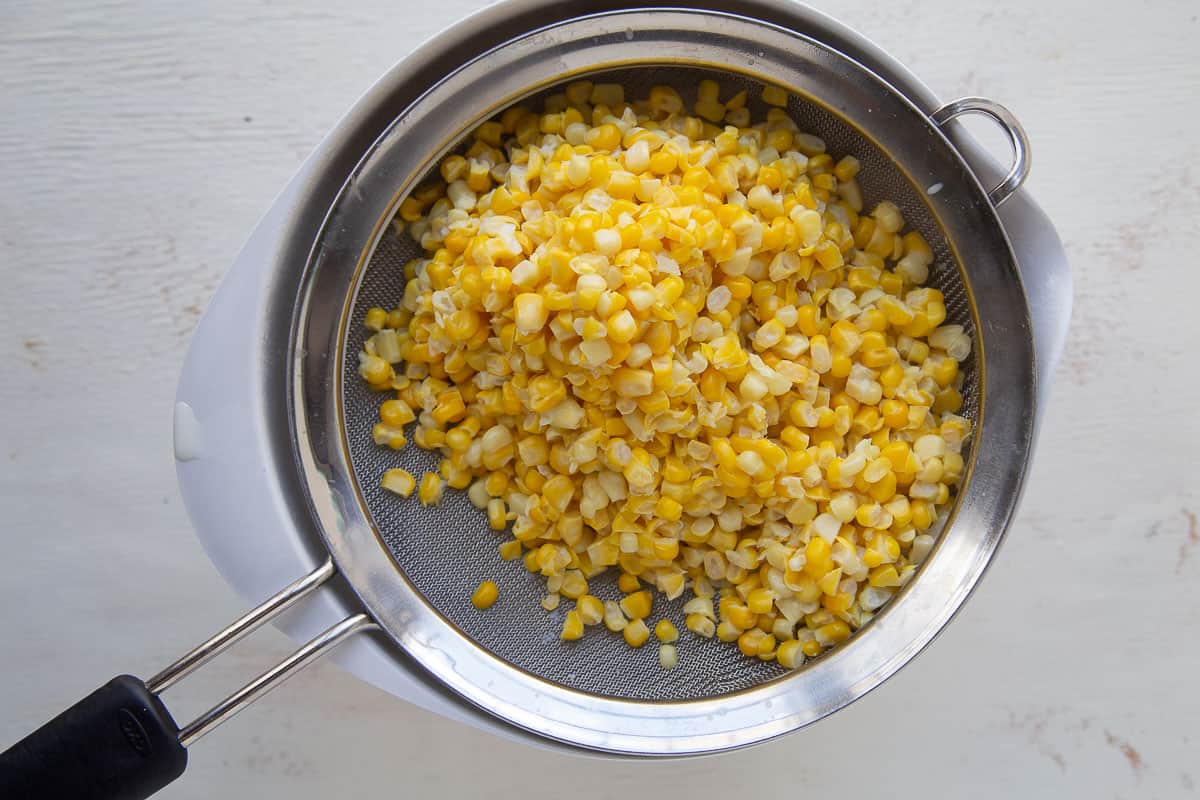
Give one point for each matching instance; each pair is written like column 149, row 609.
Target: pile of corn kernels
column 674, row 345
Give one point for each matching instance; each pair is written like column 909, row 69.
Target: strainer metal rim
column 677, row 36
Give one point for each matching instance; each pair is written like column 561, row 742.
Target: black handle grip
column 118, row 743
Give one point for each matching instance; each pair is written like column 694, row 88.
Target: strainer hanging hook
column 1022, row 157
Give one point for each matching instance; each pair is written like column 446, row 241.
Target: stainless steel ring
column 430, row 126
column 1022, row 156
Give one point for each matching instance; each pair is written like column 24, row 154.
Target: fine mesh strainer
column 410, row 569
column 527, row 636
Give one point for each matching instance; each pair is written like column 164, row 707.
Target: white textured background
column 139, row 143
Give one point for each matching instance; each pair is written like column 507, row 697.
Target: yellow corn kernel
column 497, row 514
column 756, row 642
column 847, row 168
column 838, row 603
column 374, row 370
column 510, row 549
column 666, row 549
column 775, row 96
column 668, row 509
column 790, row 654
column 760, row 601
column 662, row 162
column 901, row 511
column 485, row 595
column 430, row 493
column 636, row 633
column 811, row 648
column 450, row 407
column 558, row 492
column 632, row 382
column 884, row 489
column 804, row 585
column 637, row 605
column 591, row 609
column 918, row 352
column 665, row 631
column 574, row 585
column 895, row 413
column 832, row 633
column 458, row 439
column 530, row 312
column 898, row 453
column 818, row 557
column 606, row 137
column 701, row 625
column 398, row 481
column 628, row 583
column 738, row 614
column 429, row 438
column 572, row 628
column 944, row 371
column 952, row 467
column 665, row 100
column 496, row 484
column 947, row 401
column 728, row 632
column 829, row 581
column 922, row 514
column 614, row 619
column 884, row 576
column 375, row 319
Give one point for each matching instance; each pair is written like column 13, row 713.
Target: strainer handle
column 120, row 742
column 1022, row 156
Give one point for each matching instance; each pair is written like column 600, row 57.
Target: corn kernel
column 668, row 656
column 760, row 601
column 790, row 654
column 700, row 625
column 375, row 319
column 485, row 595
column 572, row 628
column 530, row 312
column 591, row 610
column 430, row 493
column 665, row 631
column 614, row 618
column 637, row 605
column 636, row 633
column 832, row 633
column 774, row 95
column 399, row 481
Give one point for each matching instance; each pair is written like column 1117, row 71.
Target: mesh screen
column 446, row 551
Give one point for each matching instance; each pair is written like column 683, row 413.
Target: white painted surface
column 138, row 147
